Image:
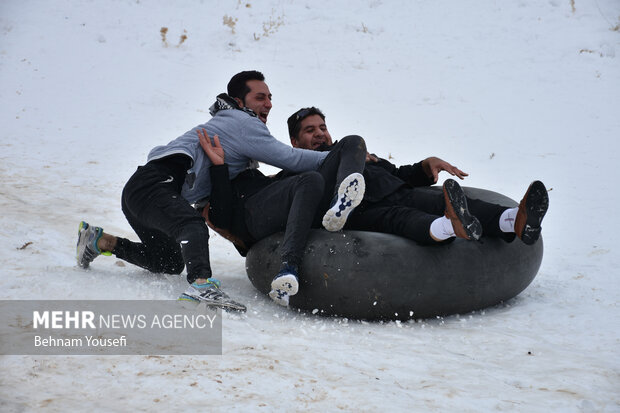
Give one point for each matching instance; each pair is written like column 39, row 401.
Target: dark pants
column 347, row 156
column 287, row 205
column 297, row 203
column 409, row 212
column 173, row 234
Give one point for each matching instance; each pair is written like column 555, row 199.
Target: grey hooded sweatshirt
column 245, row 140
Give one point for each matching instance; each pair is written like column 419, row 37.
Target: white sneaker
column 283, row 286
column 350, row 194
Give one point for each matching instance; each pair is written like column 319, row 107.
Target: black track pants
column 346, row 157
column 173, row 234
column 287, row 205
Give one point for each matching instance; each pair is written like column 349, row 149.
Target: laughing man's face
column 258, row 99
column 312, row 134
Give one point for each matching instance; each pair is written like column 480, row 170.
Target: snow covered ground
column 510, row 91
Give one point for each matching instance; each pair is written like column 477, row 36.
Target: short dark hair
column 294, row 121
column 238, row 88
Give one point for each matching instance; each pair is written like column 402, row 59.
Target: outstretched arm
column 422, row 173
column 433, row 165
column 414, row 174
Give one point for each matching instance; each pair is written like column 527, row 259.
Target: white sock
column 442, row 229
column 507, row 220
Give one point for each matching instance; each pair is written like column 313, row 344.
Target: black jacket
column 227, row 199
column 384, row 178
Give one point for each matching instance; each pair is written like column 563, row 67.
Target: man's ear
column 294, row 142
column 239, row 102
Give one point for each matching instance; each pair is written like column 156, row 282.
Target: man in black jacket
column 395, row 201
column 253, row 206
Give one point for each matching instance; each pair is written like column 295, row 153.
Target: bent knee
column 354, row 141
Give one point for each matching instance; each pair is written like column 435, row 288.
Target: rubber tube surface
column 372, row 276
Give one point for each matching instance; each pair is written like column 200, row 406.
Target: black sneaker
column 465, row 225
column 532, row 210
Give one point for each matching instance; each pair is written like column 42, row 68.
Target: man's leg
column 288, row 205
column 393, row 219
column 405, row 213
column 285, row 205
column 153, row 205
column 408, row 212
column 344, row 183
column 157, row 252
column 432, row 203
column 162, row 218
column 153, row 201
column 489, row 216
column 487, row 213
column 523, row 221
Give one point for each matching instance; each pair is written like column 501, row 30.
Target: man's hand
column 432, row 166
column 371, row 158
column 215, row 152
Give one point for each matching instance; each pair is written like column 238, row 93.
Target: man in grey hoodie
column 156, row 199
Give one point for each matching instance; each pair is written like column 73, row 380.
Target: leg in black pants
column 173, row 234
column 346, row 157
column 409, row 212
column 286, row 205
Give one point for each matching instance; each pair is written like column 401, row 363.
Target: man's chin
column 262, row 116
column 321, row 147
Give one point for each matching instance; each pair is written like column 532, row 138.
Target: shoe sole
column 279, row 297
column 287, row 283
column 282, row 288
column 350, row 195
column 536, row 206
column 464, row 224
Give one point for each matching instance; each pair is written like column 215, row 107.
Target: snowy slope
column 509, row 91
